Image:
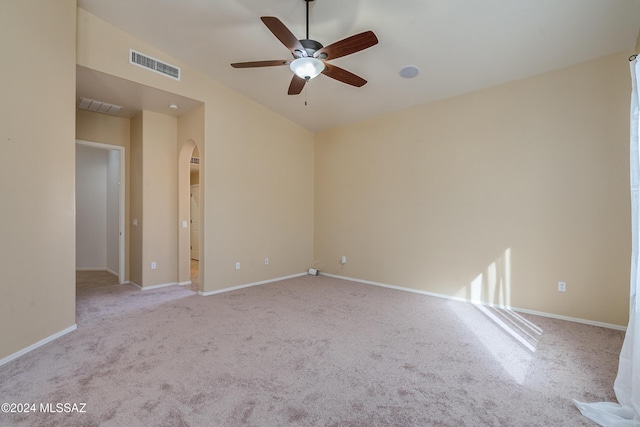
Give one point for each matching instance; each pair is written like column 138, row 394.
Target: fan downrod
column 310, row 46
column 308, row 1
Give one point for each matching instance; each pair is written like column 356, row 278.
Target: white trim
column 460, row 299
column 38, row 344
column 108, row 270
column 148, row 288
column 248, row 285
column 121, row 200
column 188, row 282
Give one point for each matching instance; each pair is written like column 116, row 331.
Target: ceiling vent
column 98, row 106
column 153, row 64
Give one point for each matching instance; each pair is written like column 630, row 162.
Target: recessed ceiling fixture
column 174, row 106
column 99, row 106
column 410, row 71
column 310, row 57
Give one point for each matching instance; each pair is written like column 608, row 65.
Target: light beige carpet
column 310, row 351
column 195, row 276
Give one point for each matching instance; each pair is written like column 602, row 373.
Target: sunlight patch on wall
column 494, row 284
column 509, row 337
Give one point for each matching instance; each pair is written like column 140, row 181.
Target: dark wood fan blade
column 343, row 75
column 253, row 64
column 296, row 86
column 283, row 34
column 348, row 46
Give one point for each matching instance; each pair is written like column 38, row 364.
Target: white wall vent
column 195, row 160
column 145, row 61
column 98, row 106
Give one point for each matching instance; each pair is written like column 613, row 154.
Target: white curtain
column 626, row 413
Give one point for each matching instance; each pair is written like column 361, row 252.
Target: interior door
column 195, row 222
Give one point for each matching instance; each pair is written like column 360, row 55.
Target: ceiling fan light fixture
column 307, row 68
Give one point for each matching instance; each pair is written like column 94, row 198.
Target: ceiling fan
column 309, row 56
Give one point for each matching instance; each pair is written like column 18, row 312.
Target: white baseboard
column 248, row 285
column 187, row 283
column 460, row 299
column 120, row 281
column 38, row 344
column 108, row 270
column 148, row 288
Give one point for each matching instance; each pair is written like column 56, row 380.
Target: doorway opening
column 194, row 221
column 100, row 208
column 190, row 207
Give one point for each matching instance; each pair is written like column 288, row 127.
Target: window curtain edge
column 626, row 413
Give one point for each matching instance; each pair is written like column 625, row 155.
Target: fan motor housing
column 311, row 46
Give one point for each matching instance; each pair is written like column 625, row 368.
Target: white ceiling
column 459, row 46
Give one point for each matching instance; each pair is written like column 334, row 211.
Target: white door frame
column 121, row 198
column 191, row 221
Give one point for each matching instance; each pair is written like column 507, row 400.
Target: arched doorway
column 189, row 195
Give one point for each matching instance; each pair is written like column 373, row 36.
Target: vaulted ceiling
column 458, row 45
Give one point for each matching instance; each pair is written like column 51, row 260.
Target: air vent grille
column 99, row 106
column 153, row 64
column 195, row 160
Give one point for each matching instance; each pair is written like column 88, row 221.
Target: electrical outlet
column 237, row 266
column 266, row 261
column 343, row 260
column 562, row 286
column 153, row 265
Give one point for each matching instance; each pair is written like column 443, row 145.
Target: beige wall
column 258, row 173
column 96, row 127
column 37, row 143
column 159, row 199
column 153, row 199
column 135, row 201
column 152, row 195
column 496, row 195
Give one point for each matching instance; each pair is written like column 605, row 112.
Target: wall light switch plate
column 237, row 266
